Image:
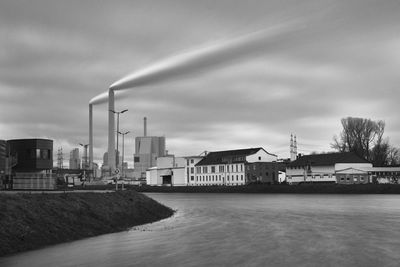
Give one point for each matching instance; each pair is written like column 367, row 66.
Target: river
column 244, row 230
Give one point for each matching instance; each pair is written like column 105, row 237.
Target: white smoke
column 204, row 59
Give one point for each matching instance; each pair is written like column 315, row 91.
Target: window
column 212, row 169
column 198, row 169
column 237, row 170
column 221, row 168
column 191, row 178
column 341, row 178
column 241, row 167
column 259, row 158
column 205, row 169
column 192, row 161
column 187, row 161
column 136, row 159
column 227, row 178
column 241, row 177
column 191, row 169
column 227, row 168
column 37, row 153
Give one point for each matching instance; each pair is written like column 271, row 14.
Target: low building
column 169, row 171
column 347, row 168
column 236, row 167
column 384, row 175
column 33, row 164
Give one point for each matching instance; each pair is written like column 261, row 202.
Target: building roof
column 220, row 157
column 327, row 159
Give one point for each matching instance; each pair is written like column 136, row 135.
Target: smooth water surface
column 245, row 230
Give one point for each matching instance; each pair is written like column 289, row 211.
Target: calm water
column 245, row 230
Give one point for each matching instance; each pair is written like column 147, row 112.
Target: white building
column 230, row 167
column 168, row 171
column 191, row 169
column 328, row 168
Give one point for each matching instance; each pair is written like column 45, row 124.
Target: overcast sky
column 341, row 58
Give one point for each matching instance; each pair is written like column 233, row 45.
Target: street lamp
column 123, row 152
column 117, row 112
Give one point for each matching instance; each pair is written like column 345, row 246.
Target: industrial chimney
column 145, row 126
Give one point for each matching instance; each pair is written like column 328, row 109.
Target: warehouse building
column 236, row 167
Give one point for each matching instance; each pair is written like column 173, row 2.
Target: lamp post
column 117, row 112
column 123, row 152
column 85, row 159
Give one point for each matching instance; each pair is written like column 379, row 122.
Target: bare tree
column 359, row 136
column 394, row 156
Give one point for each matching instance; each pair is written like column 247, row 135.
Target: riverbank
column 280, row 189
column 30, row 221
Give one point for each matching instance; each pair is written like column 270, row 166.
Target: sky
column 327, row 60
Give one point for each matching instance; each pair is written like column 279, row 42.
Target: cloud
column 57, row 55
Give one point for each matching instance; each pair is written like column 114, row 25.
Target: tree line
column 365, row 138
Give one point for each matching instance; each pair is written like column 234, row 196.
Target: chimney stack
column 145, row 126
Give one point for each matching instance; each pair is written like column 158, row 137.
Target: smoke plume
column 204, row 59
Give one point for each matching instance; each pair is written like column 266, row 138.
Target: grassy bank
column 281, row 189
column 29, row 221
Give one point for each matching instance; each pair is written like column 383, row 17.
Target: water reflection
column 245, row 230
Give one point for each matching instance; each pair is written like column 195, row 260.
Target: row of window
column 355, row 178
column 217, row 178
column 221, row 168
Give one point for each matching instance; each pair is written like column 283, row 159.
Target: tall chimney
column 90, row 137
column 145, row 126
column 111, row 132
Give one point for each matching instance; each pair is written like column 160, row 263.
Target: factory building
column 30, row 163
column 147, row 150
column 343, row 168
column 236, row 167
column 169, row 171
column 74, row 159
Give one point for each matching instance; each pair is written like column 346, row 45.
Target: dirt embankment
column 29, row 221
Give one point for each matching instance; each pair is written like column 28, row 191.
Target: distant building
column 74, row 159
column 147, row 150
column 105, row 168
column 237, row 167
column 347, row 168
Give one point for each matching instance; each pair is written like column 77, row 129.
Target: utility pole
column 123, row 152
column 118, row 113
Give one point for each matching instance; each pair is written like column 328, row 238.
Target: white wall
column 261, row 156
column 165, row 162
column 342, row 166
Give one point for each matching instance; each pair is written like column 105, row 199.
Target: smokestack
column 111, row 131
column 145, row 126
column 90, row 136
